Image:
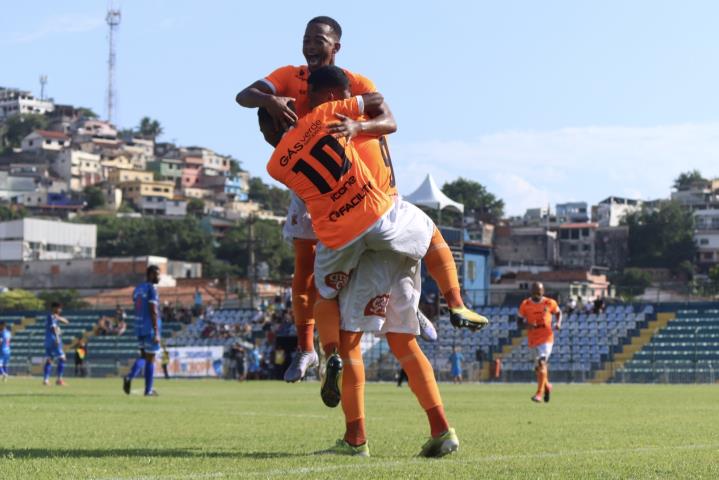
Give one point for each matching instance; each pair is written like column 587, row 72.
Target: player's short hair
column 328, row 76
column 152, row 268
column 330, row 22
column 54, row 305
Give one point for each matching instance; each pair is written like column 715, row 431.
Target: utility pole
column 43, row 82
column 113, row 21
column 252, row 270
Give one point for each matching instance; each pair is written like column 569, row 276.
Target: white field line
column 369, row 464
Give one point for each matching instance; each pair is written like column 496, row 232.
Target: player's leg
column 303, row 299
column 137, row 366
column 60, row 369
column 424, row 386
column 4, row 365
column 151, row 349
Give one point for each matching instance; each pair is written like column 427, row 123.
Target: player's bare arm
column 63, row 320
column 259, row 95
column 559, row 320
column 380, row 122
column 153, row 317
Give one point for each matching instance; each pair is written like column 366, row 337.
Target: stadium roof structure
column 429, row 195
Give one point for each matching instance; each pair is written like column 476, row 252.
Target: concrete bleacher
column 106, row 353
column 583, row 345
column 686, row 350
column 191, row 336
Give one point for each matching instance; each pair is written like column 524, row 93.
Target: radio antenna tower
column 113, row 21
column 43, row 82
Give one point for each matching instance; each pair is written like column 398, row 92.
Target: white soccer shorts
column 404, row 229
column 543, row 351
column 298, row 223
column 382, row 295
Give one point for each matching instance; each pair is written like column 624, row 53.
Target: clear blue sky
column 540, row 101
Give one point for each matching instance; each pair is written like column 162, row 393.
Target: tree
column 476, row 199
column 94, row 197
column 632, row 282
column 12, row 212
column 235, row 166
column 149, row 128
column 86, row 113
column 661, row 238
column 686, row 180
column 196, row 207
column 19, row 126
column 69, row 299
column 20, row 300
column 714, row 275
column 270, row 247
column 277, row 200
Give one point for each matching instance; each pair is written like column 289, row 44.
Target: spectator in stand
column 198, row 302
column 580, row 305
column 571, row 306
column 455, row 361
column 120, row 315
column 599, row 305
column 80, row 356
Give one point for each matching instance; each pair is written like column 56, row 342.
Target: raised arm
column 380, row 121
column 260, row 95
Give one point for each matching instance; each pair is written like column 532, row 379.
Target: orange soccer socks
column 304, row 293
column 441, row 266
column 353, row 381
column 420, row 378
column 542, row 379
column 327, row 313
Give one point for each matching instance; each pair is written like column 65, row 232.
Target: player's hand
column 558, row 326
column 283, row 116
column 346, row 127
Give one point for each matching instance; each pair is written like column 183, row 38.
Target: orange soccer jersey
column 328, row 175
column 539, row 315
column 291, row 81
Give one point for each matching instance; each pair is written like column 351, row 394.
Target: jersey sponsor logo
column 314, row 128
column 337, row 280
column 343, row 189
column 351, row 203
column 377, row 306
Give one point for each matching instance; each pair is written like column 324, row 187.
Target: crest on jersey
column 377, row 306
column 337, row 280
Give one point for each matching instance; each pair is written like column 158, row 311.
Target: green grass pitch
column 210, row 429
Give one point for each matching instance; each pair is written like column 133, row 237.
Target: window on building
column 704, row 241
column 573, row 248
column 472, row 270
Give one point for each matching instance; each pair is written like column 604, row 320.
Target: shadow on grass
column 137, row 452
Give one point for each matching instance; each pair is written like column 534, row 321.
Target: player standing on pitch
column 148, row 325
column 5, row 337
column 53, row 344
column 537, row 312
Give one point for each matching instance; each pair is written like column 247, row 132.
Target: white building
column 572, row 212
column 611, row 211
column 12, row 186
column 706, row 237
column 78, row 168
column 14, row 102
column 45, row 140
column 36, row 239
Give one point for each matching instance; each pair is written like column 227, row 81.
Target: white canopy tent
column 429, row 195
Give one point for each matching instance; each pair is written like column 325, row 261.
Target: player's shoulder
column 292, row 71
column 359, row 83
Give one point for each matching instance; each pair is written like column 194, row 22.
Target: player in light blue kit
column 4, row 350
column 148, row 325
column 455, row 360
column 53, row 344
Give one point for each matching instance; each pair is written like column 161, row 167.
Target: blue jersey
column 5, row 342
column 455, row 359
column 145, row 297
column 51, row 326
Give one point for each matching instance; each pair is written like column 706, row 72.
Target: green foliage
column 631, row 282
column 687, row 179
column 196, row 207
column 18, row 127
column 86, row 113
column 94, row 197
column 149, row 128
column 485, row 206
column 12, row 212
column 20, row 300
column 714, row 274
column 69, row 299
column 235, row 166
column 277, row 200
column 661, row 238
column 269, row 247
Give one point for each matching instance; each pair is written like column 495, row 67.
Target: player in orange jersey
column 283, row 93
column 537, row 312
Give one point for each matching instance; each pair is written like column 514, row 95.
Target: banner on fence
column 191, row 362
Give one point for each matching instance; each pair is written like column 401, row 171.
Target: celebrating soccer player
column 53, row 344
column 537, row 312
column 148, row 326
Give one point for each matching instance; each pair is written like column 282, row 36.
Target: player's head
column 56, row 307
column 153, row 274
column 321, row 42
column 326, row 84
column 537, row 291
column 271, row 132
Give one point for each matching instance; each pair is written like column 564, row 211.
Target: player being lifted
column 354, row 221
column 53, row 344
column 276, row 94
column 148, row 326
column 537, row 312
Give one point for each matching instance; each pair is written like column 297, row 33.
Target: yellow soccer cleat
column 465, row 318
